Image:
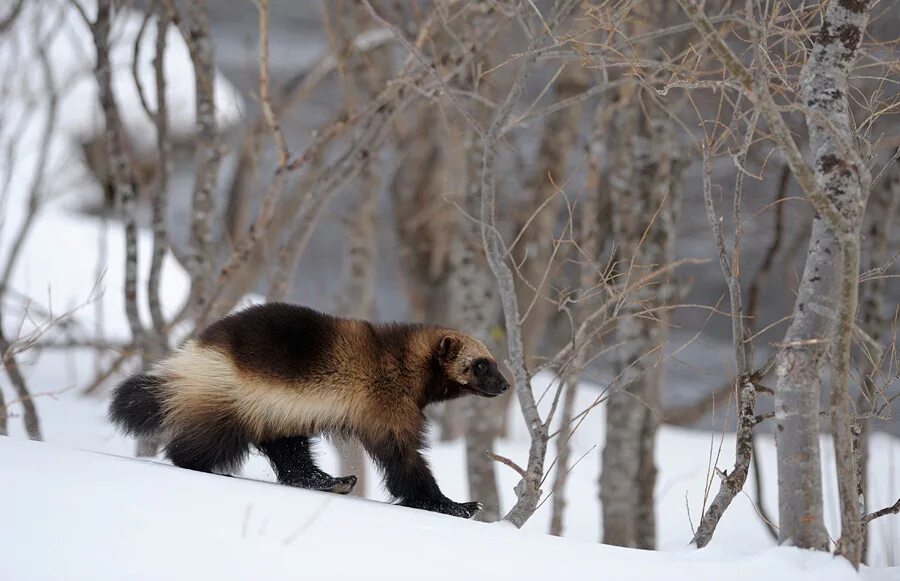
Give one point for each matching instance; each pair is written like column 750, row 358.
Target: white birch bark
column 475, row 309
column 827, row 297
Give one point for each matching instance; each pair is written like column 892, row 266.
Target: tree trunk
column 3, row 422
column 886, row 203
column 544, row 184
column 592, row 233
column 207, row 158
column 797, row 399
column 827, row 299
column 476, row 312
column 643, row 210
column 843, row 177
column 362, row 79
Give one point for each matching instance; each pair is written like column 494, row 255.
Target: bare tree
column 644, row 203
column 35, row 198
column 474, row 308
column 363, row 75
column 885, row 203
column 593, row 233
column 843, row 176
column 733, row 482
column 160, row 193
column 540, row 217
column 837, row 186
column 208, row 155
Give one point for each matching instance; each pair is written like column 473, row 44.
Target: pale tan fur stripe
column 203, row 385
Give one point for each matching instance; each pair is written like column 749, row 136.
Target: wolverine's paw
column 343, row 485
column 323, row 483
column 445, row 506
column 468, row 509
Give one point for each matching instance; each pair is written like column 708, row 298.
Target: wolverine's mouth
column 492, row 391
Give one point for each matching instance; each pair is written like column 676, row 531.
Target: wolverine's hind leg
column 219, row 448
column 294, row 465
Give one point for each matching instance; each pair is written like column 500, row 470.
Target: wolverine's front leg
column 293, row 463
column 408, row 478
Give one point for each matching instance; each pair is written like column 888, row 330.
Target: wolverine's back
column 282, row 341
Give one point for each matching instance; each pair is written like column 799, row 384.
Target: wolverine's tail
column 136, row 405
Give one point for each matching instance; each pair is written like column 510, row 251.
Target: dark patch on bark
column 855, row 6
column 825, row 36
column 828, row 162
column 850, row 36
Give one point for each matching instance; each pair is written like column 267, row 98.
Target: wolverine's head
column 468, row 362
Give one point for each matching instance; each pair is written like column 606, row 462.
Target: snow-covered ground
column 82, row 515
column 78, row 507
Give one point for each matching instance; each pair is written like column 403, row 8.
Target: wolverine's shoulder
column 276, row 339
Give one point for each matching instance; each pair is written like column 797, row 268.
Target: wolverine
column 274, row 376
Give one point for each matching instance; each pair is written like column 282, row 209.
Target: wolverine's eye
column 481, row 368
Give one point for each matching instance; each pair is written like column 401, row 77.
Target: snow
column 149, row 518
column 93, row 516
column 78, row 506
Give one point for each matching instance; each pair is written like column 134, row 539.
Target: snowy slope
column 70, row 514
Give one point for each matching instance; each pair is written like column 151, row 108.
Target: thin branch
column 160, row 197
column 893, row 509
column 504, row 460
column 733, row 483
column 120, row 170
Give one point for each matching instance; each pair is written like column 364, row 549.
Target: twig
column 264, row 99
column 733, row 483
column 893, row 509
column 504, row 460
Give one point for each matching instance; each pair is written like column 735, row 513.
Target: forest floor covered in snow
column 72, row 514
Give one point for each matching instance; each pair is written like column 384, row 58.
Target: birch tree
column 837, row 185
column 643, row 204
column 362, row 77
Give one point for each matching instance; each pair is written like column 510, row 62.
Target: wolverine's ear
column 449, row 348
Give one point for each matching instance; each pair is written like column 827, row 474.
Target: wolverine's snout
column 493, row 386
column 501, row 386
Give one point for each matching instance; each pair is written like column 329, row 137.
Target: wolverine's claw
column 343, row 485
column 470, row 508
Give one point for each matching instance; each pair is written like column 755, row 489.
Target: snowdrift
column 80, row 515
